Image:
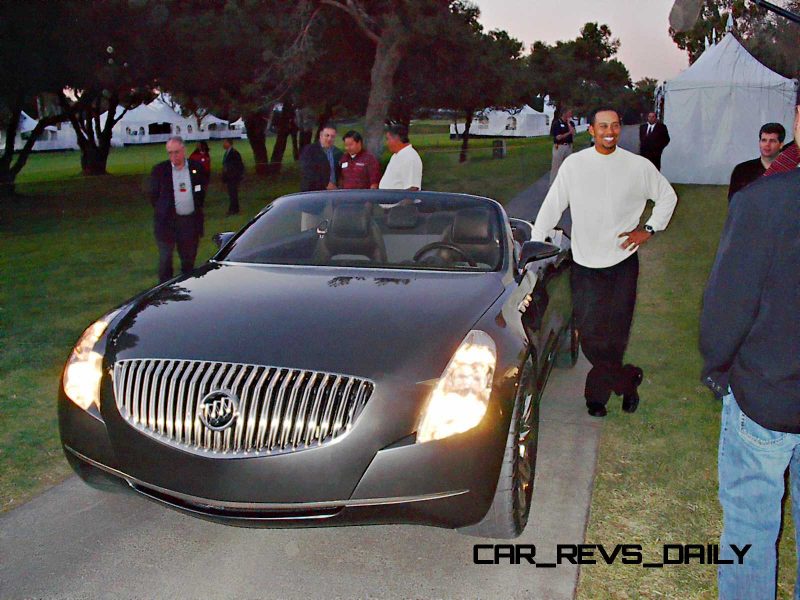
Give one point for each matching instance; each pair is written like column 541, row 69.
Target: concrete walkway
column 75, row 542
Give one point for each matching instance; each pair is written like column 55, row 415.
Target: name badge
column 344, row 165
column 198, row 188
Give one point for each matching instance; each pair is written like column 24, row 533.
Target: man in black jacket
column 177, row 192
column 750, row 341
column 653, row 138
column 770, row 139
column 232, row 173
column 319, row 162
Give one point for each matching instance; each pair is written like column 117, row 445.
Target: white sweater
column 607, row 195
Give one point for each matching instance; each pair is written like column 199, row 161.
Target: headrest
column 402, row 217
column 472, row 226
column 351, row 221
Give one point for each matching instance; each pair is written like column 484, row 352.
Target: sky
column 640, row 25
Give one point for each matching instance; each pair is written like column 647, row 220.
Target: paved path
column 75, row 542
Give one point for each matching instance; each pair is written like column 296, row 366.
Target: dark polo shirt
column 744, row 174
column 557, row 128
column 359, row 172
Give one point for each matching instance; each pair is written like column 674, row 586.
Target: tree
column 771, row 38
column 112, row 67
column 389, row 25
column 26, row 71
column 462, row 69
column 246, row 57
column 581, row 73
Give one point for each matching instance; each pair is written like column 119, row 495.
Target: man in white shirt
column 606, row 189
column 404, row 171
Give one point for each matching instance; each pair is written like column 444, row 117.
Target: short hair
column 399, row 131
column 327, row 126
column 175, row 138
column 773, row 128
column 593, row 114
column 354, row 135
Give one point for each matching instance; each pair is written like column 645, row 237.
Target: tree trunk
column 324, row 118
column 465, row 137
column 304, row 139
column 387, row 59
column 256, row 135
column 284, row 130
column 93, row 161
column 9, row 172
column 7, row 175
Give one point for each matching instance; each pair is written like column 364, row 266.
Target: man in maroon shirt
column 360, row 168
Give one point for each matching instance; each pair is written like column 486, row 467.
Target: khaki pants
column 560, row 152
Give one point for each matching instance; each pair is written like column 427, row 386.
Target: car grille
column 279, row 409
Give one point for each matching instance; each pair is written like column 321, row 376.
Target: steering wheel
column 444, row 246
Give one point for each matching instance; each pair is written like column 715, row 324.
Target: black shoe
column 630, row 400
column 596, row 409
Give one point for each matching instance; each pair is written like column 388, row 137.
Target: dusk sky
column 641, row 26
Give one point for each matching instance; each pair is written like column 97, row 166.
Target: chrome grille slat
column 275, row 416
column 279, row 409
column 152, row 401
column 244, row 399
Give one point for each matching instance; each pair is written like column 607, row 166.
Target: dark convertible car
column 347, row 357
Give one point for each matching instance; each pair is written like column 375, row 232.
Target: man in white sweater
column 606, row 189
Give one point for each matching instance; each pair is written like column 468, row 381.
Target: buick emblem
column 218, row 410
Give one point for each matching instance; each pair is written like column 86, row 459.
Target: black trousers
column 233, row 196
column 603, row 301
column 186, row 239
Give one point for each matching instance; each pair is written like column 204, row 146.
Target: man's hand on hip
column 634, row 239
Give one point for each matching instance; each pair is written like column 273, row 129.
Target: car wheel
column 511, row 505
column 568, row 346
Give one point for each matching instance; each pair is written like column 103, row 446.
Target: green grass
column 76, row 246
column 656, row 472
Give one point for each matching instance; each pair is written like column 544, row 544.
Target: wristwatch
column 649, row 229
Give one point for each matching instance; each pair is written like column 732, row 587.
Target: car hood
column 365, row 322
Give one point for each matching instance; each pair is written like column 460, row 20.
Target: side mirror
column 533, row 251
column 220, row 239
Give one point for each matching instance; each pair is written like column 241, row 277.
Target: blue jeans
column 752, row 464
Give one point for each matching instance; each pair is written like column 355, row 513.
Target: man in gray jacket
column 750, row 341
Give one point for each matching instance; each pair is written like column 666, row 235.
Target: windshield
column 415, row 230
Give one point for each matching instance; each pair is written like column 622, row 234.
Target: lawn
column 75, row 247
column 657, row 469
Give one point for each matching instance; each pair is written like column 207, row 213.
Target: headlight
column 85, row 366
column 460, row 398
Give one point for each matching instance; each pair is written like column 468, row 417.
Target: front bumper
column 447, row 483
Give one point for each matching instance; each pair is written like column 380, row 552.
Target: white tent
column 147, row 123
column 524, row 122
column 714, row 110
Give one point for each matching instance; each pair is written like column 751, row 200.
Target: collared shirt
column 607, row 195
column 650, row 127
column 360, row 171
column 559, row 127
column 182, row 188
column 329, row 155
column 404, row 171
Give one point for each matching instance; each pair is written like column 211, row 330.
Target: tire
column 568, row 346
column 508, row 514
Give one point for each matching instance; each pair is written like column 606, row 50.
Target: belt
column 563, row 143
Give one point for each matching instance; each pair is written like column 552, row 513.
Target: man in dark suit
column 320, row 167
column 232, row 173
column 177, row 193
column 653, row 138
